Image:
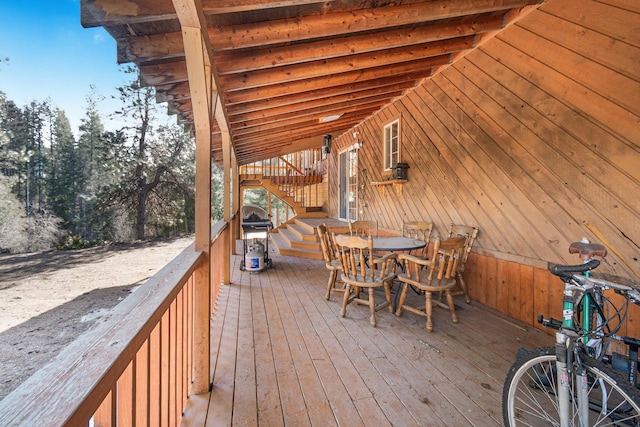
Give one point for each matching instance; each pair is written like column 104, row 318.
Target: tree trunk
column 141, row 211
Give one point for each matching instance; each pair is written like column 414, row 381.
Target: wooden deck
column 282, row 355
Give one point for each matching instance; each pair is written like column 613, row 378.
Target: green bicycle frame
column 567, row 389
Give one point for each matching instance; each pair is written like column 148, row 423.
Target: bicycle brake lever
column 550, row 322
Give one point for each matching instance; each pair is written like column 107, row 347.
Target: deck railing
column 132, row 369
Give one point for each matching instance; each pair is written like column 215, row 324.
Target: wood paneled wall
column 534, row 137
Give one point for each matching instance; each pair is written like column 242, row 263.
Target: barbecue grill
column 256, row 227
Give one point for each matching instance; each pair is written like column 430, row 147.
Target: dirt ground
column 47, row 299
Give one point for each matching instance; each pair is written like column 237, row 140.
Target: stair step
column 304, row 232
column 311, row 212
column 286, row 250
column 311, row 224
column 298, row 240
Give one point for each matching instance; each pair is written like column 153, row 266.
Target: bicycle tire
column 529, row 396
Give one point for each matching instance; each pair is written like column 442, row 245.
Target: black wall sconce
column 401, row 171
column 326, row 144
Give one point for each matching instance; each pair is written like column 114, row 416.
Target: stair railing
column 297, row 175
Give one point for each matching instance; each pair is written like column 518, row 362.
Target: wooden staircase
column 299, row 237
column 297, row 179
column 280, row 190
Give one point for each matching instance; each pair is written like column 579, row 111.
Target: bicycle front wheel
column 529, row 396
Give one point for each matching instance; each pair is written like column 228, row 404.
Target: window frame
column 388, row 138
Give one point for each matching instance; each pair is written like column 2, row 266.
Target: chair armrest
column 385, row 258
column 415, row 259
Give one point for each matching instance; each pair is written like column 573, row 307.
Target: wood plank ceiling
column 281, row 67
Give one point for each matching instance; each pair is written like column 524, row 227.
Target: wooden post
column 203, row 99
column 235, row 200
column 227, row 151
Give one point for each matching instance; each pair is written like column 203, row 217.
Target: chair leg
column 345, row 300
column 372, row 308
column 464, row 287
column 332, row 282
column 454, row 317
column 403, row 297
column 387, row 294
column 428, row 308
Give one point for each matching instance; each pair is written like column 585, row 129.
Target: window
column 391, row 144
column 348, row 192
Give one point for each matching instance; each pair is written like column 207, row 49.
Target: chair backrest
column 354, row 252
column 470, row 233
column 442, row 267
column 329, row 248
column 447, row 256
column 357, row 263
column 363, row 228
column 418, row 230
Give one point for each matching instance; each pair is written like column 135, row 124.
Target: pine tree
column 66, row 179
column 154, row 182
column 95, row 162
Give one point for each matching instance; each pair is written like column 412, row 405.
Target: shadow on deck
column 282, row 355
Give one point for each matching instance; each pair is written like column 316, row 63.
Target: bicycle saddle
column 587, row 250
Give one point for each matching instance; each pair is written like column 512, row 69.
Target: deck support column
column 203, row 99
column 227, row 151
column 235, row 201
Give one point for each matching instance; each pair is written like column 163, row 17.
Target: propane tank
column 254, row 258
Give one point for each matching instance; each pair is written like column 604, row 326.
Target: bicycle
column 577, row 383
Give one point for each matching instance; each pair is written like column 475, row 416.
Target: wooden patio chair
column 331, row 258
column 470, row 233
column 418, row 230
column 363, row 228
column 357, row 275
column 432, row 275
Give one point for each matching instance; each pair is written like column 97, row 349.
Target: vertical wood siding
column 534, row 138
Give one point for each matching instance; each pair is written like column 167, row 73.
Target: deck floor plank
column 269, row 405
column 222, row 392
column 295, row 319
column 291, row 393
column 245, row 406
column 323, row 348
column 282, row 355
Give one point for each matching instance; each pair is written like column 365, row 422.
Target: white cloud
column 98, row 38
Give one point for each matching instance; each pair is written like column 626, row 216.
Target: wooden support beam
column 282, row 31
column 227, row 152
column 97, row 13
column 249, row 131
column 168, row 46
column 314, row 110
column 201, row 88
column 346, row 46
column 235, row 200
column 323, row 67
column 240, row 101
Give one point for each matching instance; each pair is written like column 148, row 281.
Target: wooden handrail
column 134, row 365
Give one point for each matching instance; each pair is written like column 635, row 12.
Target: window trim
column 387, row 160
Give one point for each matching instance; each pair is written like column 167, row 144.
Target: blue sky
column 52, row 56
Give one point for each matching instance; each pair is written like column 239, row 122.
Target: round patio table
column 394, row 243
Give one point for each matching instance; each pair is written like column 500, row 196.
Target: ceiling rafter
column 168, row 46
column 281, row 65
column 329, row 25
column 278, row 106
column 273, row 116
column 356, row 62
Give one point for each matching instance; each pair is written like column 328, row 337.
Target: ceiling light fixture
column 330, row 118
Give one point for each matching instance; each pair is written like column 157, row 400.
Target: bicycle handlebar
column 631, row 292
column 564, row 270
